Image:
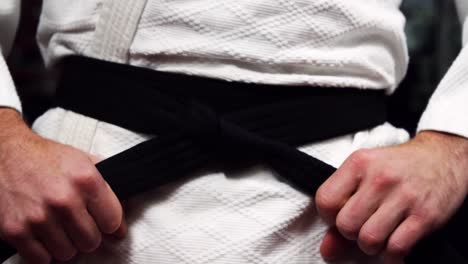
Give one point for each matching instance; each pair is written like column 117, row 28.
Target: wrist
column 11, row 124
column 453, row 151
column 454, row 142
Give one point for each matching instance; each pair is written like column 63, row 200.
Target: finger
column 122, row 231
column 82, row 230
column 56, row 241
column 405, row 237
column 376, row 231
column 106, row 210
column 357, row 211
column 18, row 234
column 334, row 193
column 335, row 247
column 100, row 200
column 32, row 251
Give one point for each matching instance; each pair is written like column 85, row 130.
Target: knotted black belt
column 207, row 125
column 204, row 124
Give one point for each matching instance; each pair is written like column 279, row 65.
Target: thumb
column 335, row 247
column 122, row 231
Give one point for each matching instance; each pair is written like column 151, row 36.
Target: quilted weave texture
column 279, row 41
column 321, row 42
column 232, row 217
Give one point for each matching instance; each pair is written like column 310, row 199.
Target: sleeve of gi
column 447, row 110
column 9, row 17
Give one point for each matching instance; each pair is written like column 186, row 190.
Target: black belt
column 207, row 125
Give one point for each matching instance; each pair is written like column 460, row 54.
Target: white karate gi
column 248, row 217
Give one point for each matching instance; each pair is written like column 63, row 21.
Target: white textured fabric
column 116, row 28
column 463, row 15
column 326, row 42
column 8, row 96
column 246, row 217
column 9, row 15
column 282, row 41
column 271, row 41
column 448, row 108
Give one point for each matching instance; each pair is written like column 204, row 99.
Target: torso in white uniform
column 358, row 43
column 248, row 217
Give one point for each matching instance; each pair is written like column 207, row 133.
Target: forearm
column 40, row 177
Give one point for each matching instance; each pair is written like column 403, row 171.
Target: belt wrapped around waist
column 203, row 124
column 207, row 125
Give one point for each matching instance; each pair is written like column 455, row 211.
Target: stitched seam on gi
column 116, row 29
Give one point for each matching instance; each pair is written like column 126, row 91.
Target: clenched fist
column 53, row 201
column 387, row 199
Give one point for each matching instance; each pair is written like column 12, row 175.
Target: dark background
column 433, row 39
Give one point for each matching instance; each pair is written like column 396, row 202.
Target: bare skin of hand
column 387, row 199
column 53, row 201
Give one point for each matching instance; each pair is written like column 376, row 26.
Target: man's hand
column 53, row 201
column 387, row 199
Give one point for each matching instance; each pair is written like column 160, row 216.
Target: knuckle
column 85, row 177
column 370, row 242
column 426, row 219
column 91, row 243
column 346, row 228
column 360, row 159
column 37, row 217
column 395, row 248
column 326, row 202
column 409, row 196
column 384, row 179
column 112, row 225
column 14, row 230
column 433, row 217
column 85, row 180
column 62, row 201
